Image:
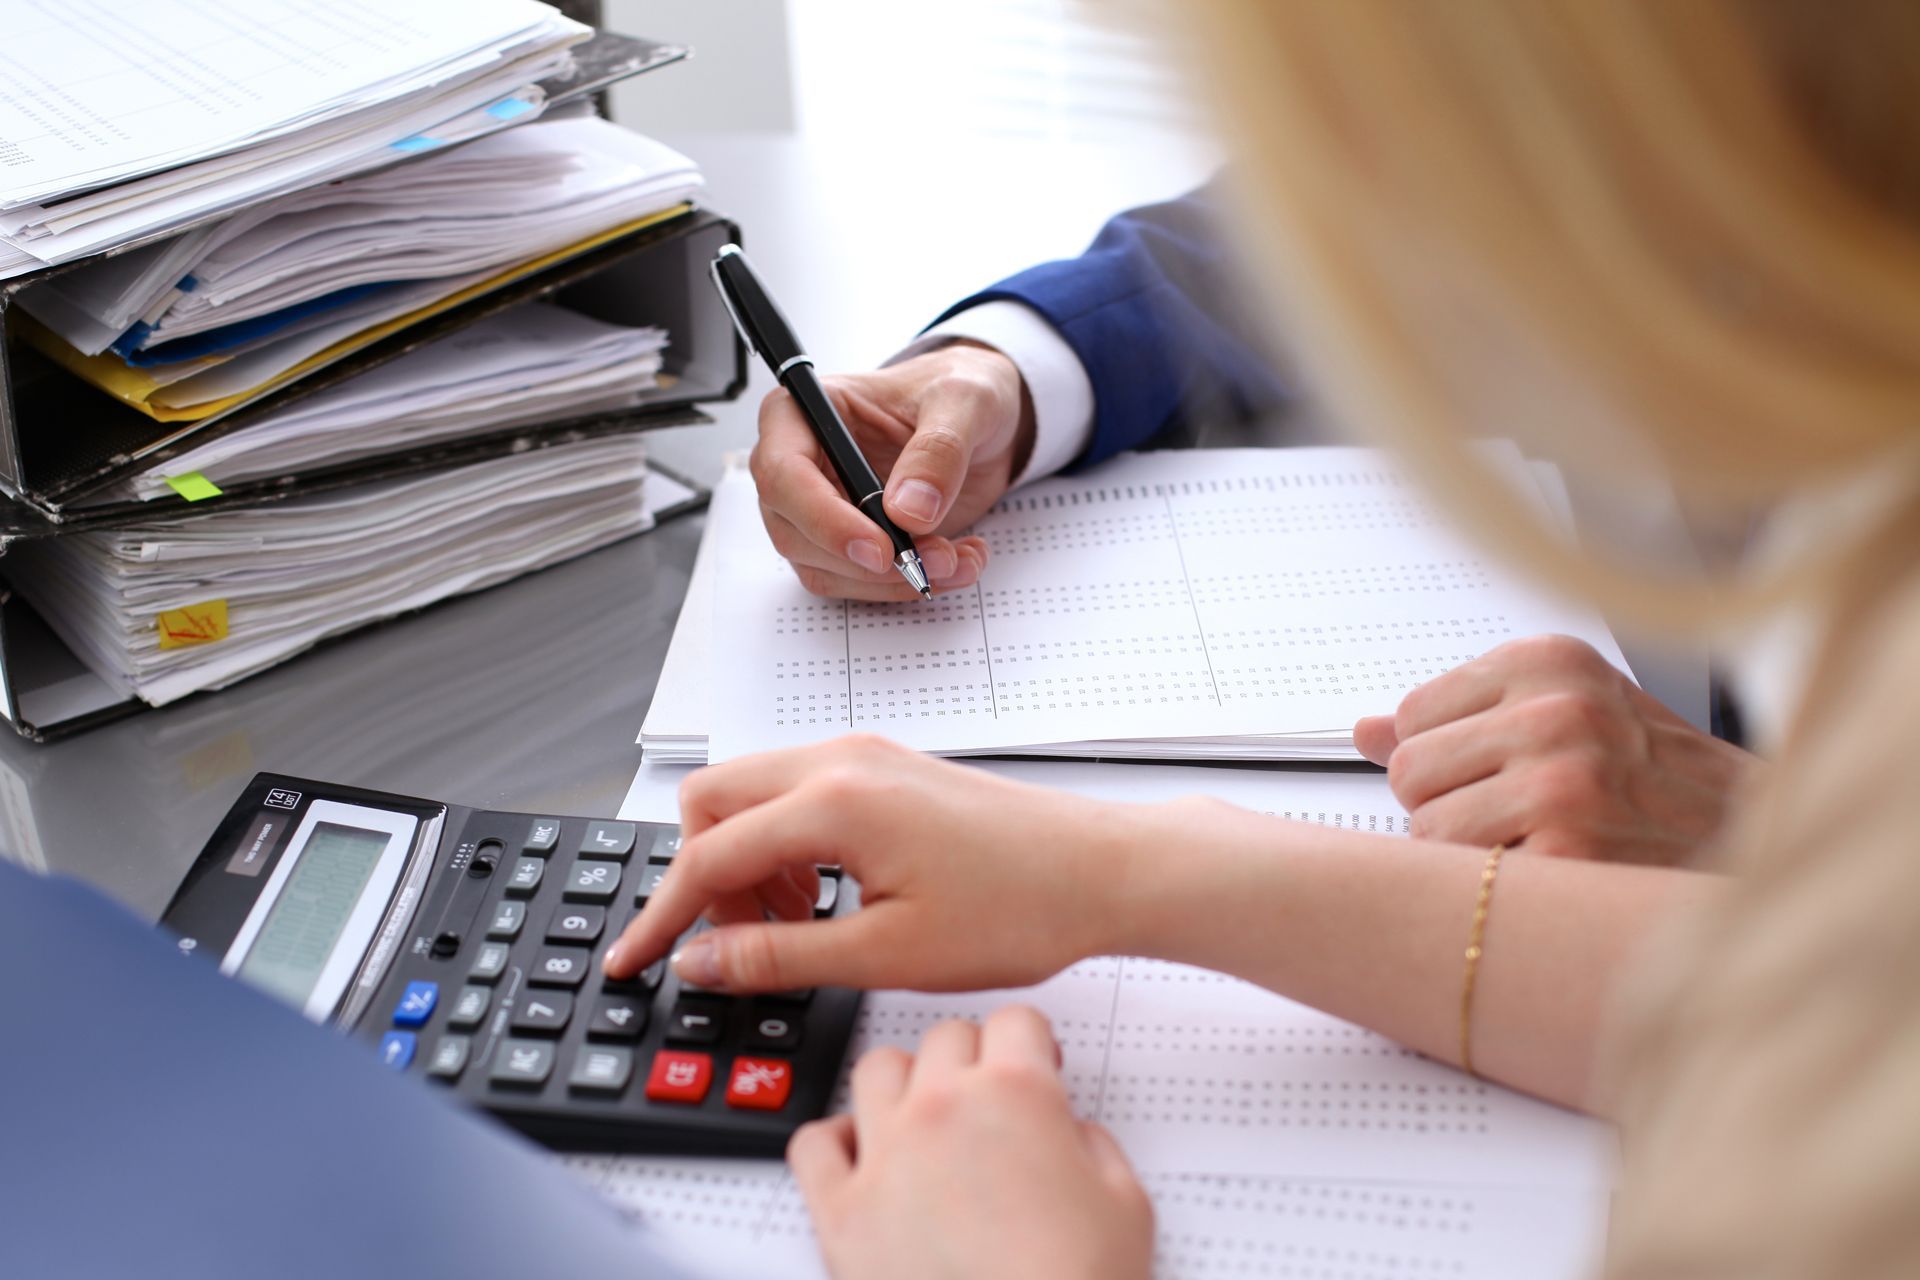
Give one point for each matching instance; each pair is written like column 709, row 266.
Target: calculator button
column 416, row 1004
column 692, row 1023
column 653, row 975
column 829, row 895
column 469, row 1007
column 591, row 881
column 619, row 1017
column 799, row 995
column 526, row 876
column 666, row 843
column 491, row 961
column 608, row 839
column 543, row 1012
column 649, row 882
column 522, row 1062
column 507, row 919
column 542, row 836
column 773, row 1030
column 560, row 967
column 396, row 1049
column 679, row 1077
column 576, row 924
column 759, row 1084
column 449, row 1057
column 602, row 1068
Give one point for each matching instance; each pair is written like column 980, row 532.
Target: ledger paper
column 1179, row 597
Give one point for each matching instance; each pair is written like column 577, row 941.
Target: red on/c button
column 679, row 1077
column 760, row 1084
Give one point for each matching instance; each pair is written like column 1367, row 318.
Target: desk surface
column 528, row 696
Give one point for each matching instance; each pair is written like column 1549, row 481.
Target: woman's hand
column 966, row 1161
column 967, row 881
column 1541, row 744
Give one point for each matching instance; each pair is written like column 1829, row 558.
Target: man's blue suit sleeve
column 1151, row 312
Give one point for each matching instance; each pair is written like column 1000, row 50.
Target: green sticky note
column 193, row 486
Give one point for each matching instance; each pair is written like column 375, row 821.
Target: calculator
column 463, row 946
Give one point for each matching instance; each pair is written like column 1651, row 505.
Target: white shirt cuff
column 1062, row 393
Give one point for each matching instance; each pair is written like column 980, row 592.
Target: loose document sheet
column 1274, row 1140
column 1202, row 603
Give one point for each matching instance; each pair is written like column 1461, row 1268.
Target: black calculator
column 464, row 945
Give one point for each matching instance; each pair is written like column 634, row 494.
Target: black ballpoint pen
column 768, row 334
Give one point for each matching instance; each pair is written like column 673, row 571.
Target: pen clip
column 726, row 300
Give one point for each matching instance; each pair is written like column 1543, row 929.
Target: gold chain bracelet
column 1475, row 934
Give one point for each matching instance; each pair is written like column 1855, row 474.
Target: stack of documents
column 1246, row 604
column 533, row 363
column 163, row 610
column 127, row 120
column 184, row 328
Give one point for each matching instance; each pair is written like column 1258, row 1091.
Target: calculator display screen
column 313, row 908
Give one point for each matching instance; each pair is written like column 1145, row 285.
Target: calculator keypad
column 515, row 1015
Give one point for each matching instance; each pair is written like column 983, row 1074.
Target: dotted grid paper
column 1188, row 594
column 1276, row 1141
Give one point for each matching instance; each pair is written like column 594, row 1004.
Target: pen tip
column 927, row 592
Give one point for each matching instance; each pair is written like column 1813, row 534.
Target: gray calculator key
column 506, row 921
column 648, row 882
column 619, row 1017
column 574, row 922
column 543, row 1012
column 608, row 840
column 491, row 961
column 560, row 967
column 829, row 895
column 695, row 1023
column 773, row 1029
column 469, row 1007
column 666, row 843
column 522, row 1062
column 602, row 1068
column 526, row 876
column 592, row 881
column 542, row 836
column 449, row 1057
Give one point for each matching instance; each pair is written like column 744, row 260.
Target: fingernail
column 612, row 957
column 940, row 562
column 867, row 555
column 918, row 499
column 698, row 961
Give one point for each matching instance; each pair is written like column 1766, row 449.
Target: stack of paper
column 181, row 328
column 128, row 120
column 532, row 363
column 1205, row 604
column 196, row 602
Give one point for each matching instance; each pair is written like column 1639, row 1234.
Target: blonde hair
column 1677, row 236
column 1648, row 239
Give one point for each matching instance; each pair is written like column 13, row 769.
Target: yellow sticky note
column 196, row 624
column 192, row 486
